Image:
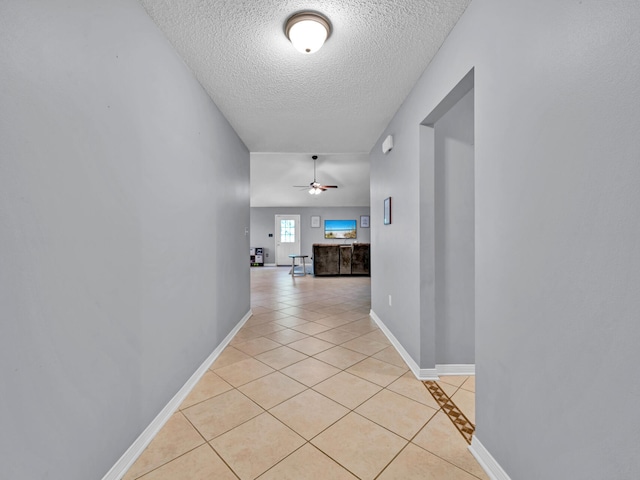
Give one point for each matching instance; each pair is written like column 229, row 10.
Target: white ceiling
column 335, row 102
column 350, row 171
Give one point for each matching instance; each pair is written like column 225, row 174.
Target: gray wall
column 454, row 235
column 557, row 111
column 263, row 223
column 123, row 203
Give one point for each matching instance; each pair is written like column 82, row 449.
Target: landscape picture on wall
column 340, row 229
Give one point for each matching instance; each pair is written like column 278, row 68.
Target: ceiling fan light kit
column 307, row 31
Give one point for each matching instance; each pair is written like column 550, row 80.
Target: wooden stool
column 293, row 265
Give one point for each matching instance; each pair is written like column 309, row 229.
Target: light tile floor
column 310, row 388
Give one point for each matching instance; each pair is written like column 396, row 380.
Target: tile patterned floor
column 310, row 388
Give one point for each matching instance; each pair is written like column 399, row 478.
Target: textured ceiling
column 335, row 101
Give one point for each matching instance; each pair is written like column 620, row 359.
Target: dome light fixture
column 307, row 31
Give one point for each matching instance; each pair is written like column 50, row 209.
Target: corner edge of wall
column 420, row 373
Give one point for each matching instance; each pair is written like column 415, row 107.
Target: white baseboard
column 420, row 373
column 137, row 447
column 423, row 373
column 489, row 464
column 456, row 369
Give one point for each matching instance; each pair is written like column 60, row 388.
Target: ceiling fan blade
column 314, row 186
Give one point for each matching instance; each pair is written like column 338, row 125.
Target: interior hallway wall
column 557, row 111
column 124, row 198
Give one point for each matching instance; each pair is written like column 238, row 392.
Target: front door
column 287, row 238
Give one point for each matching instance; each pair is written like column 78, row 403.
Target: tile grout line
column 427, row 450
column 308, row 442
column 205, row 442
column 208, row 442
column 223, row 460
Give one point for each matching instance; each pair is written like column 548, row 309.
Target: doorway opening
column 447, row 230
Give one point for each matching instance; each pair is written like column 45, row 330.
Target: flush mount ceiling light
column 307, row 31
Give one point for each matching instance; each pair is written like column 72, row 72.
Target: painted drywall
column 401, row 260
column 557, row 111
column 263, row 224
column 124, row 200
column 454, row 235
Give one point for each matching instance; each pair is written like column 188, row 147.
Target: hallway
column 310, row 388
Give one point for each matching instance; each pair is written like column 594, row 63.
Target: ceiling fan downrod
column 316, row 188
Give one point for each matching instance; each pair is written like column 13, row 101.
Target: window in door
column 288, row 231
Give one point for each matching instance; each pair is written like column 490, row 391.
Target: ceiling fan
column 315, row 187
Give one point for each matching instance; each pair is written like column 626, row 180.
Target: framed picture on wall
column 387, row 211
column 315, row 221
column 364, row 221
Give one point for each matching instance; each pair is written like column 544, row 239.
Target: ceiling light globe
column 307, row 31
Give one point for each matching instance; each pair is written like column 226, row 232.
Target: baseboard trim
column 425, row 374
column 489, row 464
column 420, row 373
column 456, row 369
column 137, row 447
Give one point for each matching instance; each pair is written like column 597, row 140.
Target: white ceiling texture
column 287, row 106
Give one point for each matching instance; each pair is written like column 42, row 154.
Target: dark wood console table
column 341, row 259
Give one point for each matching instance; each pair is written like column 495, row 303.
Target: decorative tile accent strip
column 462, row 423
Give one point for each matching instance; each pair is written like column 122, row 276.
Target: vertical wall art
column 387, row 211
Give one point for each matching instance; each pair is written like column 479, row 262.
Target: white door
column 287, row 238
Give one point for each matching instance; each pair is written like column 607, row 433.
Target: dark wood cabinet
column 360, row 259
column 326, row 259
column 338, row 259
